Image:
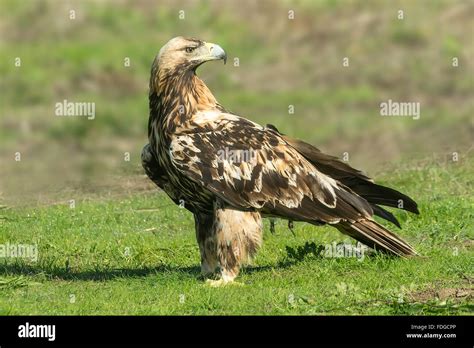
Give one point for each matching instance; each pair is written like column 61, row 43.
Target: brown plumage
column 230, row 171
column 354, row 179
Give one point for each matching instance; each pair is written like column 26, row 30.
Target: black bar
column 292, row 330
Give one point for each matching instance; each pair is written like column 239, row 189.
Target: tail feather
column 378, row 194
column 377, row 237
column 385, row 214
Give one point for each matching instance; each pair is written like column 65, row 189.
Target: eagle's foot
column 226, row 276
column 221, row 282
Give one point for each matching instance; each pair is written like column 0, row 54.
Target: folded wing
column 250, row 167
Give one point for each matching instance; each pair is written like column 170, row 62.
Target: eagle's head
column 186, row 54
column 173, row 80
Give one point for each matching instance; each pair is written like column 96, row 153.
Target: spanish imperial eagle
column 198, row 153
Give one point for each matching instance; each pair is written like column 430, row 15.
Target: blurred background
column 282, row 62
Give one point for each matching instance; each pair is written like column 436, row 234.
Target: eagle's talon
column 221, row 282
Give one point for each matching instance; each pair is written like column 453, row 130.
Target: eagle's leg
column 238, row 236
column 207, row 243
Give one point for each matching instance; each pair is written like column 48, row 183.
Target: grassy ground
column 138, row 255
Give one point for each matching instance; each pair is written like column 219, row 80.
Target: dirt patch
column 442, row 294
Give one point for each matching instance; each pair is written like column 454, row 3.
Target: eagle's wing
column 248, row 167
column 354, row 179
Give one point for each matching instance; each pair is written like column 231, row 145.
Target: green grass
column 138, row 255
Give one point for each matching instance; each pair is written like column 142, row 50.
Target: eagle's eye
column 190, row 49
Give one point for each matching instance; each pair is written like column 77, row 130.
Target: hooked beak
column 214, row 52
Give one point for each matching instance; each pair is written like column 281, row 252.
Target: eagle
column 231, row 172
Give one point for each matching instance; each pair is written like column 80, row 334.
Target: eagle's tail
column 377, row 237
